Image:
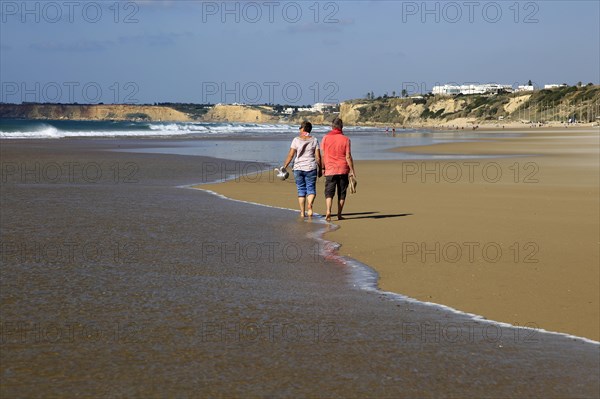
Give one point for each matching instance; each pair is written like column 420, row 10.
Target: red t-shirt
column 334, row 148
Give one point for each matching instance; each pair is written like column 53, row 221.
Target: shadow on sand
column 373, row 215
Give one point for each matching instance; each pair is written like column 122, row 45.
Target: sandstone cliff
column 92, row 112
column 543, row 106
column 240, row 113
column 217, row 113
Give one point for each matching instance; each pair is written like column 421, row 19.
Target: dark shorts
column 339, row 182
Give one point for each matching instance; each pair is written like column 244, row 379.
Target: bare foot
column 302, row 215
column 328, row 217
column 309, row 213
column 340, row 217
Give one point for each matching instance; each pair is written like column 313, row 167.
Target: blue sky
column 295, row 52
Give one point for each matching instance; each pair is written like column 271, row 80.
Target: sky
column 286, row 52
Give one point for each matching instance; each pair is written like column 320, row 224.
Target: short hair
column 337, row 124
column 306, row 126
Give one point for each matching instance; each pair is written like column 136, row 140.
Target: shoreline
column 356, row 247
column 368, row 278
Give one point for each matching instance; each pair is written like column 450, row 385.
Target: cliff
column 92, row 112
column 543, row 106
column 171, row 112
column 240, row 113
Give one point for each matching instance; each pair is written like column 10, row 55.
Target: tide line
column 366, row 278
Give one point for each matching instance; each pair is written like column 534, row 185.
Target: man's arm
column 350, row 164
column 349, row 160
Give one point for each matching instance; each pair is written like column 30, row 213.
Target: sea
column 252, row 142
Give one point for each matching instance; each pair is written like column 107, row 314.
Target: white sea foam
column 160, row 129
column 54, row 133
column 43, row 131
column 177, row 127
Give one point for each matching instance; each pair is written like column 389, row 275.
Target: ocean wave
column 42, row 130
column 177, row 127
column 220, row 127
column 54, row 133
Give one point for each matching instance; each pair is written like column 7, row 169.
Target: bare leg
column 341, row 203
column 328, row 203
column 310, row 199
column 301, row 203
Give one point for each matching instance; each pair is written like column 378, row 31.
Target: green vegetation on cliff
column 194, row 111
column 581, row 103
column 138, row 116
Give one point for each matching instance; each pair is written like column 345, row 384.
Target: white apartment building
column 446, row 90
column 554, row 86
column 320, row 107
column 524, row 88
column 452, row 90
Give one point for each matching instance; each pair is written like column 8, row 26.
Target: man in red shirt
column 337, row 165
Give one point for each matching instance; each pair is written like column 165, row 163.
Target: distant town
column 291, row 110
column 440, row 90
column 490, row 88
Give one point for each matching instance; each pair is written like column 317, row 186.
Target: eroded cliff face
column 516, row 102
column 218, row 113
column 541, row 106
column 396, row 111
column 92, row 112
column 240, row 113
column 314, row 118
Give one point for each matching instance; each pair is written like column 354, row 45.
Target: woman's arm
column 289, row 158
column 319, row 162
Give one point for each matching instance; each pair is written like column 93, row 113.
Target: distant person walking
column 306, row 167
column 337, row 165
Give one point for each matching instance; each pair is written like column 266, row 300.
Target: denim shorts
column 306, row 182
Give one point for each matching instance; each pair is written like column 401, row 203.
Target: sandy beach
column 512, row 238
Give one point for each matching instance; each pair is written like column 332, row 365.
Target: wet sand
column 127, row 286
column 514, row 239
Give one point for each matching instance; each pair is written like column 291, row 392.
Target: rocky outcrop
column 92, row 112
column 240, row 113
column 217, row 113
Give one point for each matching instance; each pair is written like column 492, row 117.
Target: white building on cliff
column 452, row 90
